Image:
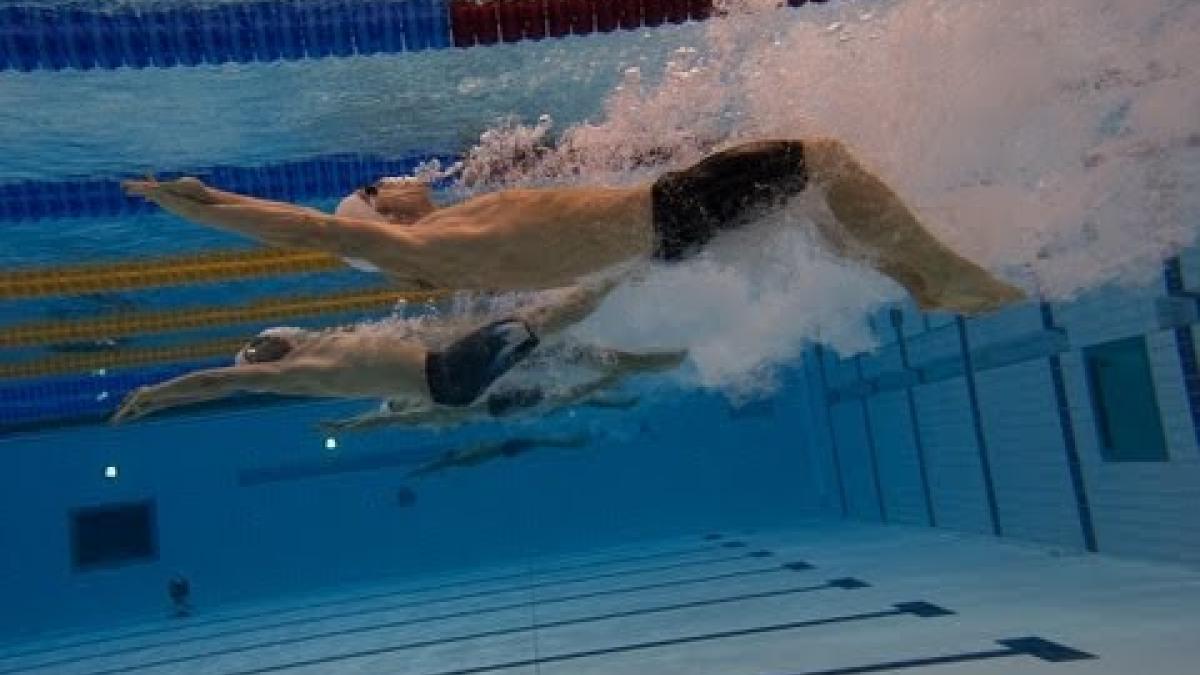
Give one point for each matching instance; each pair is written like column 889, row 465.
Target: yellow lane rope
column 120, row 358
column 143, row 323
column 166, row 271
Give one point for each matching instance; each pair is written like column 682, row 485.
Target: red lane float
column 533, row 19
column 629, row 13
column 654, row 12
column 558, row 19
column 607, row 18
column 462, row 23
column 699, row 10
column 583, row 16
column 677, row 10
column 487, row 22
column 510, row 21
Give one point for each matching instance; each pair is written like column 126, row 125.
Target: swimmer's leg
column 874, row 225
column 577, row 305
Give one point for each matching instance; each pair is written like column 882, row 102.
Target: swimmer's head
column 358, row 205
column 270, row 345
column 394, row 200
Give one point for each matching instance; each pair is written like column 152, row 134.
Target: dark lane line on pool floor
column 364, row 612
column 1039, row 648
column 199, row 623
column 843, row 583
column 917, row 609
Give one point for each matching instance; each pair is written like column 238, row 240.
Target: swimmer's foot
column 976, row 292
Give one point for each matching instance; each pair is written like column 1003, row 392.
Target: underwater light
column 331, row 443
column 110, row 471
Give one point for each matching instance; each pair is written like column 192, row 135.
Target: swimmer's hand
column 187, row 188
column 139, row 403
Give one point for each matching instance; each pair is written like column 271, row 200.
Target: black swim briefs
column 460, row 373
column 723, row 192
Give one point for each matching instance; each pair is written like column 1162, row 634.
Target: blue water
column 990, row 427
column 71, row 125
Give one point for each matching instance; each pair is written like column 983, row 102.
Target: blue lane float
column 309, row 179
column 57, row 399
column 86, row 35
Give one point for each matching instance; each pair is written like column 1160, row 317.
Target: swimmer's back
column 540, row 238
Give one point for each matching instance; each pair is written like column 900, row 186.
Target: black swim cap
column 265, row 349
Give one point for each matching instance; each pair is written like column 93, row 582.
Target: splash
column 1055, row 143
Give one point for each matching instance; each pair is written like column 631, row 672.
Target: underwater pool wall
column 250, row 505
column 1071, row 424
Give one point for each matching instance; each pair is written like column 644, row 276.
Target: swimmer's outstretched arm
column 195, row 189
column 197, row 387
column 300, row 377
column 285, row 225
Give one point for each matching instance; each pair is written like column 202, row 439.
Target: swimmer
column 530, row 239
column 486, row 451
column 615, row 366
column 371, row 364
column 179, row 589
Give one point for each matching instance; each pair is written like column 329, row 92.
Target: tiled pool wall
column 1001, row 424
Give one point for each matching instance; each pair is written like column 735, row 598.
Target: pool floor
column 826, row 598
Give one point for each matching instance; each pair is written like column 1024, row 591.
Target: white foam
column 1057, row 143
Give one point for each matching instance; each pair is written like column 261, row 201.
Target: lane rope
column 261, row 311
column 210, row 266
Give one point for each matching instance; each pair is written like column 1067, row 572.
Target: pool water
column 835, row 482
